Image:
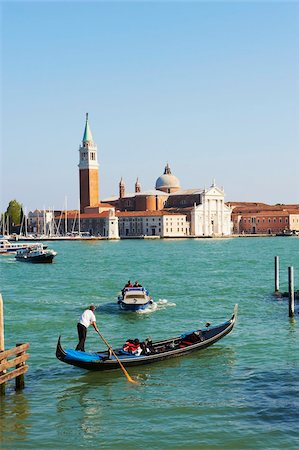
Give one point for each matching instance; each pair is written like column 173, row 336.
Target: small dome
column 167, row 182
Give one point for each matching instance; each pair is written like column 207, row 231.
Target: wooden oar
column 129, row 378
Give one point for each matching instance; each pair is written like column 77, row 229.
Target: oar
column 129, row 378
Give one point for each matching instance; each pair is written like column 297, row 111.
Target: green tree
column 14, row 212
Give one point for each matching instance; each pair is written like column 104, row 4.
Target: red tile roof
column 145, row 213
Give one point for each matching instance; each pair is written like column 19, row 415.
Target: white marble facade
column 212, row 217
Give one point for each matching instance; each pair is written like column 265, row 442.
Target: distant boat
column 286, row 233
column 35, row 254
column 11, row 247
column 135, row 299
column 152, row 351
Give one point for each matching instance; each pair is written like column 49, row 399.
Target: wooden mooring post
column 291, row 292
column 18, row 361
column 276, row 263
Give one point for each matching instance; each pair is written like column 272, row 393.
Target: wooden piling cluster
column 13, row 358
column 291, row 292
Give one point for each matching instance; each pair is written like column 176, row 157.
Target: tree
column 14, row 212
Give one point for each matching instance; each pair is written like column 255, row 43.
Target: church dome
column 167, row 182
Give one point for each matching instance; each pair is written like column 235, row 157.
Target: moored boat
column 286, row 233
column 35, row 254
column 11, row 247
column 153, row 351
column 135, row 299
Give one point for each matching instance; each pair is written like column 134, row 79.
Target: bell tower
column 88, row 170
column 122, row 188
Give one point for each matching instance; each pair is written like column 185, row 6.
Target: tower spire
column 87, row 136
column 137, row 186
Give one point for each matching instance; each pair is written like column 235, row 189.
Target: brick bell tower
column 88, row 170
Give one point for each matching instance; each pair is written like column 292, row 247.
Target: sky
column 211, row 88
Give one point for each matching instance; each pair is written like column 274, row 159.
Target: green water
column 241, row 393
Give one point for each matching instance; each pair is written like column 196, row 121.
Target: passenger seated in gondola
column 146, row 347
column 191, row 338
column 133, row 346
column 136, row 284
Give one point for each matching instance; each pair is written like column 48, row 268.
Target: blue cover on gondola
column 123, row 352
column 75, row 355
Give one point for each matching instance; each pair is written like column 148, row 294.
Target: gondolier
column 86, row 319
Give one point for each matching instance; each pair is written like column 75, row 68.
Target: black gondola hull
column 99, row 361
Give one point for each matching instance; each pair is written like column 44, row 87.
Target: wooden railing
column 18, row 361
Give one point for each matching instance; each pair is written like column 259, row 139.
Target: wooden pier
column 13, row 358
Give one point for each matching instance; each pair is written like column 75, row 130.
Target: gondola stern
column 60, row 353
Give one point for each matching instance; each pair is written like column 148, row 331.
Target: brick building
column 260, row 218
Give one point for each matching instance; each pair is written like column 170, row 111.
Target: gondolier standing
column 86, row 319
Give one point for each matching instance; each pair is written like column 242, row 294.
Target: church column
column 209, row 217
column 204, row 227
column 222, row 217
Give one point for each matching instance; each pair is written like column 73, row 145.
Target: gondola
column 153, row 351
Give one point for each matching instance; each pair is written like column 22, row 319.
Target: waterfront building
column 211, row 217
column 260, row 218
column 205, row 210
column 152, row 223
column 98, row 223
column 40, row 222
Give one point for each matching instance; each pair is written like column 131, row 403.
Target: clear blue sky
column 209, row 87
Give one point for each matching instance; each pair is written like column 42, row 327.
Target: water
column 241, row 393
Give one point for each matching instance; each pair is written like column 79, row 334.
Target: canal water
column 241, row 393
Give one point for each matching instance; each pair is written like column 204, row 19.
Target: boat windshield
column 132, row 295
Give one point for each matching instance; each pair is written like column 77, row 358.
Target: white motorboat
column 135, row 299
column 35, row 254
